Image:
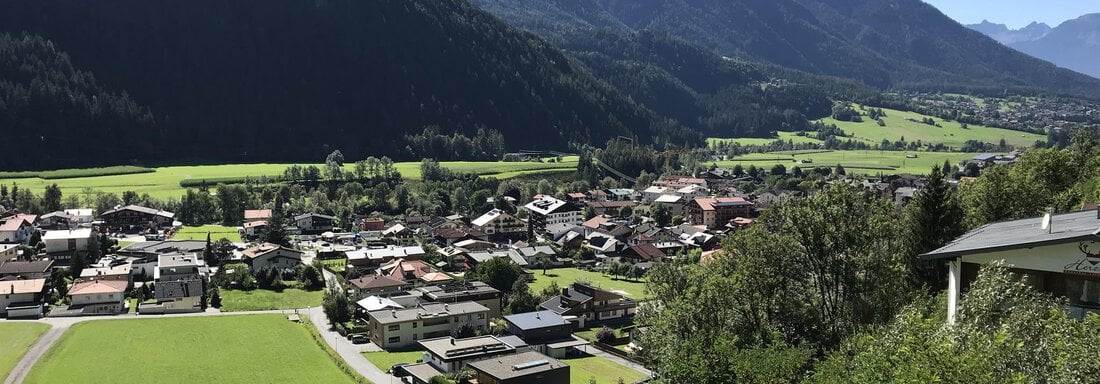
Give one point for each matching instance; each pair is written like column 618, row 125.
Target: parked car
column 359, row 338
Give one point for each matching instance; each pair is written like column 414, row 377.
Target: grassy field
column 862, row 162
column 336, row 265
column 262, row 299
column 164, row 182
column 951, row 134
column 603, row 370
column 384, row 360
column 217, row 232
column 15, row 339
column 785, row 136
column 566, row 277
column 229, row 349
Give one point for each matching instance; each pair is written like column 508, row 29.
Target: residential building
column 521, row 368
column 374, row 285
column 267, row 255
column 548, row 212
column 651, row 194
column 622, row 194
column 22, row 298
column 118, row 272
column 478, row 257
column 253, row 229
column 399, row 234
column 62, row 245
column 374, row 257
column 253, row 215
column 592, row 305
column 407, row 270
column 539, row 327
column 643, row 253
column 9, row 251
column 534, row 255
column 314, row 222
column 677, row 182
column 56, row 220
column 98, row 297
column 137, row 217
column 716, row 212
column 1059, row 256
column 401, row 328
column 80, row 216
column 615, row 208
column 675, row 204
column 474, row 291
column 691, row 192
column 15, row 229
column 448, row 354
column 26, row 270
column 498, row 224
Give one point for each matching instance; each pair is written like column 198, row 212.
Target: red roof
column 12, row 224
column 255, row 214
column 98, row 286
column 708, row 203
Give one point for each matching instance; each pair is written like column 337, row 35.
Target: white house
column 497, row 223
column 400, row 328
column 98, row 297
column 550, row 212
column 652, row 193
column 266, row 255
column 1060, row 256
column 67, row 241
column 80, row 215
column 22, row 298
column 15, row 229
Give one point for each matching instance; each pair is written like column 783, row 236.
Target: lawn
column 224, row 349
column 262, row 299
column 862, row 162
column 217, row 232
column 15, row 339
column 951, row 134
column 164, row 182
column 336, row 265
column 603, row 370
column 384, row 360
column 566, row 277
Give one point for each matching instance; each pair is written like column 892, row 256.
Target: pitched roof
column 98, row 286
column 254, row 214
column 517, row 365
column 536, row 320
column 312, row 214
column 18, row 267
column 595, row 222
column 376, row 303
column 22, row 286
column 259, row 250
column 254, row 224
column 435, row 277
column 646, row 251
column 1023, row 233
column 138, row 208
column 12, row 224
column 488, row 217
column 370, row 282
column 433, row 310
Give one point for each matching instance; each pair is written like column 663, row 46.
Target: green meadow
column 214, row 349
column 15, row 339
column 164, row 182
column 861, row 162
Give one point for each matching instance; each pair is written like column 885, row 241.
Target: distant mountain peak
column 1008, row 36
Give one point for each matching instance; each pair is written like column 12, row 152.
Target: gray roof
column 536, row 320
column 16, row 267
column 1024, row 233
column 428, row 311
column 138, row 208
column 448, row 348
column 512, row 340
column 422, row 371
column 176, row 289
column 518, row 365
column 165, row 246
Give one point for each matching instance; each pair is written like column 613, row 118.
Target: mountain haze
column 289, row 80
column 1007, row 36
column 882, row 43
column 1074, row 44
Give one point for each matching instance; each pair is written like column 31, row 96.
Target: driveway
column 351, row 353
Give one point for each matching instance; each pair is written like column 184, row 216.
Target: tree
column 661, row 214
column 779, row 170
column 605, row 335
column 521, row 300
column 839, row 170
column 51, row 198
column 499, row 273
column 311, row 278
column 215, row 297
column 336, row 305
column 934, row 218
column 463, row 331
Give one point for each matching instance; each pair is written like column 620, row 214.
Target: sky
column 1015, row 13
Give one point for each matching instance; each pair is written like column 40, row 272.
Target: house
column 450, row 236
column 80, row 216
column 498, row 224
column 118, row 272
column 642, row 253
column 651, row 194
column 611, row 207
column 15, row 229
column 399, row 234
column 98, row 297
column 435, row 278
column 253, row 215
column 22, row 298
column 1059, row 256
column 314, row 222
column 262, row 256
column 548, row 212
column 178, row 286
column 674, row 203
column 373, row 257
column 472, row 291
column 253, row 229
column 62, row 245
column 534, row 255
column 903, row 195
column 596, row 195
column 592, row 305
column 715, row 212
column 478, row 257
column 401, row 328
column 691, row 192
column 677, row 182
column 521, row 368
column 407, row 270
column 26, row 270
column 475, row 245
column 374, row 285
column 375, row 303
column 9, row 251
column 137, row 217
column 622, row 194
column 56, row 220
column 372, row 224
column 540, row 326
column 448, row 354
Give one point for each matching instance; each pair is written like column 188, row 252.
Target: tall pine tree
column 935, row 218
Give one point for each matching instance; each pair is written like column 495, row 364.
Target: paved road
column 351, row 353
column 58, row 326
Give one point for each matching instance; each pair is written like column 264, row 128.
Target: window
column 1083, row 293
column 481, row 316
column 393, row 327
column 414, row 325
column 455, row 319
column 414, row 337
column 395, row 339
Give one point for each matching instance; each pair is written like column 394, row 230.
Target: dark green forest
column 292, row 80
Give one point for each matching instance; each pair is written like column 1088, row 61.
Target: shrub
column 605, row 335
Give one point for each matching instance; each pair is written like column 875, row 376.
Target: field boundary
column 77, row 172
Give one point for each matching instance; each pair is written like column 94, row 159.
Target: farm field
column 862, row 162
column 228, row 349
column 785, row 136
column 164, row 182
column 567, row 276
column 262, row 299
column 605, row 371
column 951, row 134
column 15, row 339
column 217, row 232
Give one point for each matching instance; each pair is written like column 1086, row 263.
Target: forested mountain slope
column 291, row 80
column 882, row 43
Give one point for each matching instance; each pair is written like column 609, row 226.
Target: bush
column 605, row 335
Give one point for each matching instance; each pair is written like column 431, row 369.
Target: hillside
column 1073, row 44
column 291, row 80
column 882, row 43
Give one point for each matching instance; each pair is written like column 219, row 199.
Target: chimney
column 452, row 341
column 537, row 316
column 393, row 312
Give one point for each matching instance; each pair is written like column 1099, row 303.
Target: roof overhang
column 1095, row 236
